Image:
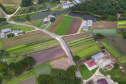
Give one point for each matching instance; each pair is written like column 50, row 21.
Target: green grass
column 10, row 49
column 10, row 9
column 34, row 47
column 111, row 49
column 0, row 44
column 104, row 73
column 105, row 32
column 88, row 51
column 121, row 22
column 122, row 27
column 64, row 25
column 34, row 72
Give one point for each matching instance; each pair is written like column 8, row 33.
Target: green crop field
column 34, row 47
column 121, row 24
column 105, row 32
column 83, row 47
column 64, row 25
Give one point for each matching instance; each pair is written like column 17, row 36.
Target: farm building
column 46, row 19
column 91, row 64
column 17, row 32
column 51, row 16
column 66, row 4
column 112, row 59
column 89, row 23
column 98, row 56
column 85, row 28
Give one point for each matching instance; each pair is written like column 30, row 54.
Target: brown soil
column 30, row 80
column 122, row 25
column 77, row 36
column 104, row 25
column 47, row 55
column 55, row 26
column 74, row 26
column 62, row 63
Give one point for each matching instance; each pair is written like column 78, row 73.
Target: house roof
column 50, row 16
column 89, row 22
column 112, row 58
column 98, row 56
column 16, row 31
column 102, row 81
column 46, row 22
column 90, row 63
column 6, row 30
column 85, row 27
column 109, row 66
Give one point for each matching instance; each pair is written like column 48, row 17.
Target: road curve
column 62, row 42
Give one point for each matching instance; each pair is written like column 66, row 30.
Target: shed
column 98, row 56
column 51, row 16
column 85, row 28
column 6, row 30
column 89, row 23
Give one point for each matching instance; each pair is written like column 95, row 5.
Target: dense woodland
column 59, row 76
column 106, row 8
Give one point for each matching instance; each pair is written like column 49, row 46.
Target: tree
column 28, row 18
column 52, row 19
column 76, row 58
column 26, row 3
column 10, row 35
column 2, row 66
column 116, row 65
column 99, row 36
column 124, row 36
column 40, row 1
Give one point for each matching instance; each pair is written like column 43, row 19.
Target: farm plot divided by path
column 47, row 55
column 66, row 25
column 121, row 24
column 25, row 39
column 83, row 47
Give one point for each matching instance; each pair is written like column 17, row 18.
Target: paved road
column 62, row 42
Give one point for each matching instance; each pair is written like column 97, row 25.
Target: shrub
column 10, row 35
column 76, row 58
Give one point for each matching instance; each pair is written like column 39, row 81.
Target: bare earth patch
column 62, row 63
column 105, row 25
column 30, row 80
column 47, row 55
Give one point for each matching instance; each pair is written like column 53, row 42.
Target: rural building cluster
column 46, row 20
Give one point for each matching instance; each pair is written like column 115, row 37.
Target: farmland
column 105, row 32
column 30, row 80
column 104, row 25
column 121, row 24
column 83, row 47
column 64, row 25
column 27, row 38
column 47, row 55
column 1, row 15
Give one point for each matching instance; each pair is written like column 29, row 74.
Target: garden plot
column 62, row 63
column 30, row 37
column 30, row 80
column 104, row 25
column 121, row 24
column 47, row 55
column 60, row 12
column 83, row 47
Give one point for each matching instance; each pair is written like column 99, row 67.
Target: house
column 51, row 16
column 89, row 23
column 46, row 19
column 98, row 56
column 66, row 4
column 91, row 64
column 46, row 22
column 85, row 28
column 17, row 32
column 112, row 59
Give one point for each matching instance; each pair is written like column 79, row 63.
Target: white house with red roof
column 91, row 64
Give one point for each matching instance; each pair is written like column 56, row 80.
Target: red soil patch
column 47, row 55
column 55, row 26
column 105, row 25
column 74, row 26
column 62, row 63
column 77, row 36
column 30, row 80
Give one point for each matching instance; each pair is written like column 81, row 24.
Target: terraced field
column 83, row 47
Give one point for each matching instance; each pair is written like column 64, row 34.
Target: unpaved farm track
column 55, row 26
column 74, row 26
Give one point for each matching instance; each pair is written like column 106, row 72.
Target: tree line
column 59, row 76
column 106, row 8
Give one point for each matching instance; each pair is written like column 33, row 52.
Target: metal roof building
column 89, row 22
column 98, row 56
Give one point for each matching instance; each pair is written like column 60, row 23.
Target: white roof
column 77, row 1
column 16, row 31
column 6, row 30
column 85, row 27
column 2, row 35
column 50, row 16
column 98, row 56
column 89, row 22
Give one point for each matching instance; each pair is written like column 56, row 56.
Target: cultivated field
column 121, row 24
column 64, row 25
column 30, row 80
column 104, row 25
column 105, row 32
column 74, row 26
column 47, row 55
column 76, row 37
column 62, row 63
column 55, row 26
column 10, row 1
column 83, row 47
column 27, row 38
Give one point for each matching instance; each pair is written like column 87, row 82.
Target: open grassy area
column 105, row 32
column 121, row 22
column 36, row 71
column 27, row 49
column 85, row 73
column 64, row 25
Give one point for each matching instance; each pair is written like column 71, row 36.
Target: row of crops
column 31, row 48
column 83, row 47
